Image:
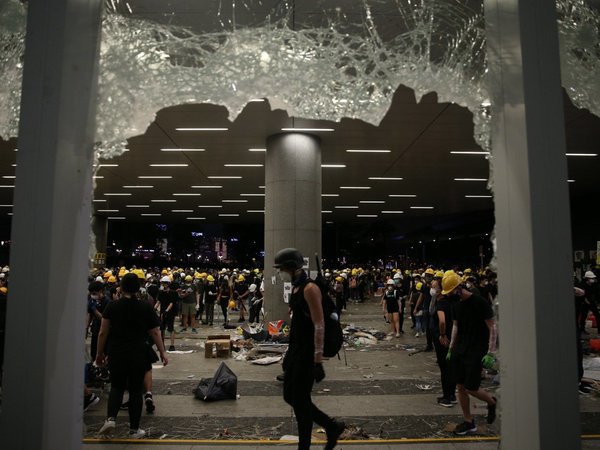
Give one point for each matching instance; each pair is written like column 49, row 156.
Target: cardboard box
column 217, row 346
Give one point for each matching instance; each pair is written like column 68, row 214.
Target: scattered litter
column 267, row 360
column 190, row 376
column 163, row 436
column 289, row 437
column 326, row 390
column 424, row 387
column 370, row 375
column 180, row 352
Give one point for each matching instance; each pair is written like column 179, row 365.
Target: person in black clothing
column 472, row 347
column 391, row 300
column 223, row 296
column 96, row 304
column 590, row 302
column 303, row 361
column 423, row 303
column 442, row 331
column 210, row 296
column 167, row 300
column 128, row 321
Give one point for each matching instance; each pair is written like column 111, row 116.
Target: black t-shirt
column 473, row 333
column 302, row 330
column 444, row 305
column 165, row 298
column 391, row 297
column 99, row 305
column 130, row 321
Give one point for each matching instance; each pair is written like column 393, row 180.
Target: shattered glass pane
column 341, row 59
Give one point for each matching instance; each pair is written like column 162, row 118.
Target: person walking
column 303, row 363
column 128, row 321
column 472, row 347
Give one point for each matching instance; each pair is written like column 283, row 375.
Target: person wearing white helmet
column 167, row 305
column 590, row 302
column 256, row 301
column 391, row 301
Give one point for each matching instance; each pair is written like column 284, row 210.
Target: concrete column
column 44, row 362
column 100, row 231
column 540, row 408
column 292, row 207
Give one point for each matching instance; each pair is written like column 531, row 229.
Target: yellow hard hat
column 203, row 275
column 197, row 275
column 188, row 278
column 164, row 272
column 354, row 272
column 4, row 290
column 231, row 304
column 107, row 274
column 210, row 278
column 450, row 282
column 448, row 272
column 419, row 286
column 140, row 274
column 430, row 271
column 439, row 274
column 468, row 271
column 241, row 278
column 407, row 272
column 112, row 279
column 256, row 271
column 339, row 279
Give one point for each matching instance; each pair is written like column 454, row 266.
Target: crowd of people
column 132, row 311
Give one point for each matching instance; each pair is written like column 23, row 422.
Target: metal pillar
column 100, row 230
column 540, row 408
column 44, row 362
column 292, row 207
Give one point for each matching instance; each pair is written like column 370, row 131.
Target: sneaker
column 108, row 427
column 491, row 416
column 333, row 434
column 446, row 403
column 137, row 434
column 417, row 335
column 453, row 400
column 465, row 427
column 125, row 405
column 149, row 403
column 171, row 348
column 583, row 389
column 89, row 401
column 398, row 335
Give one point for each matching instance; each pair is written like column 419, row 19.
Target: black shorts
column 392, row 307
column 167, row 323
column 467, row 370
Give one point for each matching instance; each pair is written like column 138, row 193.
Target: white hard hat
column 252, row 287
column 100, row 279
column 390, row 282
column 149, row 276
column 345, row 275
column 397, row 276
column 165, row 279
column 589, row 274
column 5, row 269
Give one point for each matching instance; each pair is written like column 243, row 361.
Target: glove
column 319, row 372
column 488, row 361
column 449, row 355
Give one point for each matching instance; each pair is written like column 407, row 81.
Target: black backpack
column 334, row 338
